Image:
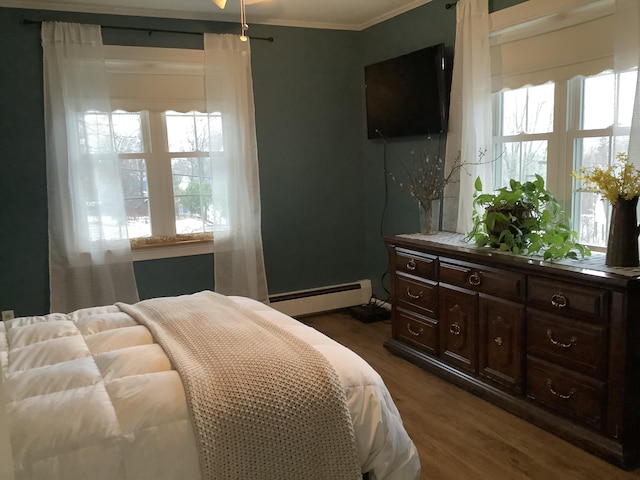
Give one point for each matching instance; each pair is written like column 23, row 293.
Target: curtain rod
column 149, row 30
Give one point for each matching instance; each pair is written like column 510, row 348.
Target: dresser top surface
column 455, row 243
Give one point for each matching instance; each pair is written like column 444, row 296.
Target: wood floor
column 458, row 435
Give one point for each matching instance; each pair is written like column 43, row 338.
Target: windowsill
column 169, row 248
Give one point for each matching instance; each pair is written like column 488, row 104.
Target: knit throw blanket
column 264, row 404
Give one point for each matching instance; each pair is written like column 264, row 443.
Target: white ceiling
column 329, row 14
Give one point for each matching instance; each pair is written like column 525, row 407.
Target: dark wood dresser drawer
column 501, row 342
column 418, row 331
column 555, row 343
column 576, row 300
column 571, row 394
column 501, row 283
column 415, row 264
column 416, row 295
column 577, row 345
column 458, row 326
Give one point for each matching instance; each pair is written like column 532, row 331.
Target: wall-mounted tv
column 408, row 95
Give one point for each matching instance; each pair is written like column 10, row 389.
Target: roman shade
column 155, row 79
column 551, row 40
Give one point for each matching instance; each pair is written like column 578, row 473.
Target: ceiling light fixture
column 243, row 22
column 243, row 17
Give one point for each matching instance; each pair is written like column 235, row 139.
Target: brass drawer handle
column 455, row 329
column 498, row 341
column 474, row 279
column 563, row 396
column 414, row 295
column 411, row 265
column 572, row 341
column 413, row 332
column 559, row 300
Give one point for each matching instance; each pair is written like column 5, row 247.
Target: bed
column 114, row 392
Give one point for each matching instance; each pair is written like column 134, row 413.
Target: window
column 570, row 46
column 167, row 149
column 597, row 133
column 523, row 126
column 167, row 172
column 555, row 128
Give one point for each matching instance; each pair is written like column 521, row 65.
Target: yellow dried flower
column 620, row 180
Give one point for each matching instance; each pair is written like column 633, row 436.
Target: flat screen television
column 408, row 95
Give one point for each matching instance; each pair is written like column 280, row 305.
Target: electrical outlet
column 7, row 314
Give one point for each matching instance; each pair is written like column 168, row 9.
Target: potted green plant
column 524, row 218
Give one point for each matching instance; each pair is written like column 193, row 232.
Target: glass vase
column 429, row 216
column 622, row 246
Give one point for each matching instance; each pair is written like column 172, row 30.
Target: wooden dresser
column 555, row 343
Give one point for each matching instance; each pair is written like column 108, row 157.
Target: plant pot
column 518, row 215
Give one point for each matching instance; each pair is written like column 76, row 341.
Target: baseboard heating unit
column 323, row 299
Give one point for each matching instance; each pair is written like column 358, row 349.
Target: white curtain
column 469, row 112
column 627, row 56
column 89, row 253
column 238, row 256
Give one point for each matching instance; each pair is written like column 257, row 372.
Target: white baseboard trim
column 323, row 299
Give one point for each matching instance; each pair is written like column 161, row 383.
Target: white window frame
column 178, row 67
column 551, row 137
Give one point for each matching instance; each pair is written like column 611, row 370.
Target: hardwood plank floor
column 460, row 436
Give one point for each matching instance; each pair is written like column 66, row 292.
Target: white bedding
column 89, row 395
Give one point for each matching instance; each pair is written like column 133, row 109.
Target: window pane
column 192, row 190
column 514, row 103
column 528, row 110
column 187, row 132
column 127, row 131
column 136, row 196
column 181, row 132
column 520, row 161
column 594, row 219
column 194, row 132
column 95, row 132
column 598, row 102
column 601, row 94
column 592, row 211
column 540, row 109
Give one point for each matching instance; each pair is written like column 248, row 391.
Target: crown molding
column 216, row 16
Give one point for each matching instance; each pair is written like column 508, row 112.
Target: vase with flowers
column 426, row 180
column 619, row 184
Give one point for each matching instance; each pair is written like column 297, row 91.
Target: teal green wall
column 322, row 182
column 308, row 128
column 308, row 124
column 422, row 27
column 428, row 25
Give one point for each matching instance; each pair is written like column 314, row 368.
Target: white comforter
column 89, row 395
